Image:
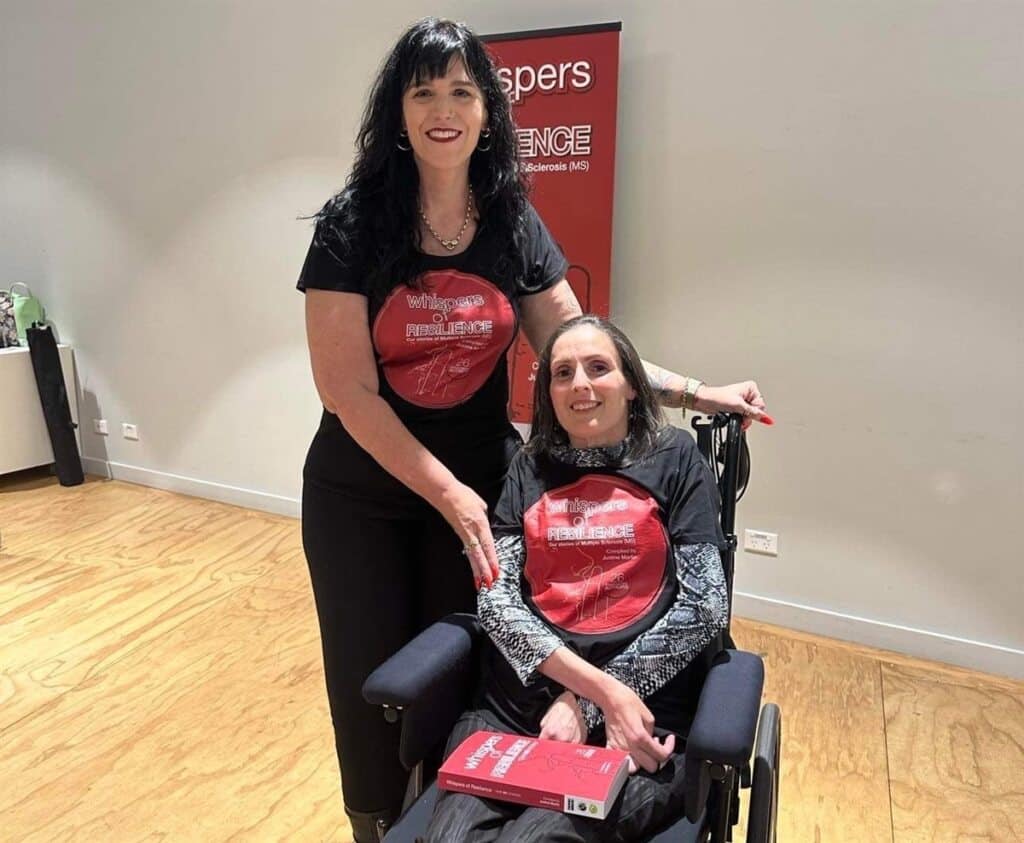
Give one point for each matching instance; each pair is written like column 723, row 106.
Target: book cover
column 569, row 777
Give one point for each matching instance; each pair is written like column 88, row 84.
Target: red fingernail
column 476, row 581
column 766, row 419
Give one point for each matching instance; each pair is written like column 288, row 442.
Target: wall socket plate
column 99, row 427
column 130, row 431
column 758, row 541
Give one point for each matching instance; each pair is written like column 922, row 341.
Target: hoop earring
column 398, row 143
column 486, row 135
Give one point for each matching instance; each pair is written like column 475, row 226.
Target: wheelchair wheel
column 764, row 791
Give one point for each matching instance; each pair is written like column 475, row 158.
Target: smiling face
column 589, row 391
column 444, row 117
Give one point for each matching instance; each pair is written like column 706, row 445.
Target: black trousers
column 378, row 579
column 647, row 802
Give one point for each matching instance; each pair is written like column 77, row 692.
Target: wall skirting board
column 975, row 655
column 935, row 646
column 249, row 498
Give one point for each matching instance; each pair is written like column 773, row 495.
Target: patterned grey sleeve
column 699, row 612
column 518, row 633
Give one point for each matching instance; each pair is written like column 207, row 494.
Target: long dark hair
column 373, row 221
column 645, row 418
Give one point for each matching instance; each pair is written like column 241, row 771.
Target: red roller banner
column 563, row 84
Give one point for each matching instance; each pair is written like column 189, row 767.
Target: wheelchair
column 733, row 743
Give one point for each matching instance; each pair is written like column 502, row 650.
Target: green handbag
column 27, row 310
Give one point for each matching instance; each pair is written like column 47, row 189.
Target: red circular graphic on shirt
column 596, row 553
column 438, row 345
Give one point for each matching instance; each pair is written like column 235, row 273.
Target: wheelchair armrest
column 431, row 678
column 441, row 651
column 723, row 728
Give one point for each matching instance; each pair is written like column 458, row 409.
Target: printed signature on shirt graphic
column 597, row 593
column 444, row 366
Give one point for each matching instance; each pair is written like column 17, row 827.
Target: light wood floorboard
column 161, row 672
column 834, row 782
column 160, row 679
column 956, row 754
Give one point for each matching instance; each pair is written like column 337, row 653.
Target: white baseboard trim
column 221, row 492
column 975, row 655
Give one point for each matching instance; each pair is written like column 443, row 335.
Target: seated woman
column 611, row 584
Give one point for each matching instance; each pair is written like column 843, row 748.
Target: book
column 569, row 777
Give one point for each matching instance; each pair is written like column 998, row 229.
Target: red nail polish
column 476, row 581
column 766, row 419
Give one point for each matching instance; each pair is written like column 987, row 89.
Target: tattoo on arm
column 668, row 386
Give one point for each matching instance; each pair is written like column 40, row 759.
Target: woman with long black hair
column 420, row 273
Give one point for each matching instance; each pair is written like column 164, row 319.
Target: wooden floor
column 160, row 680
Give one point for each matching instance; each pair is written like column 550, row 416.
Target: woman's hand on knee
column 466, row 512
column 667, row 746
column 629, row 724
column 563, row 721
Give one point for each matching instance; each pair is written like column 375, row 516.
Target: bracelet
column 690, row 393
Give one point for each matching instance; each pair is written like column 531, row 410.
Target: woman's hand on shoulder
column 744, row 398
column 563, row 721
column 466, row 512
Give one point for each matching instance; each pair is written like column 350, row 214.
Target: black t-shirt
column 441, row 355
column 598, row 568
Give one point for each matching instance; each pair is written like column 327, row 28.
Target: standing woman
column 419, row 275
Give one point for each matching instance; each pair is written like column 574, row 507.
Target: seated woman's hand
column 563, row 721
column 630, row 726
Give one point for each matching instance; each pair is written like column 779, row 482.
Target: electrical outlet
column 758, row 541
column 99, row 426
column 130, row 431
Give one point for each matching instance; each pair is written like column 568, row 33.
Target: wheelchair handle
column 731, row 472
column 730, row 456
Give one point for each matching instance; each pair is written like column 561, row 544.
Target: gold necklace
column 450, row 245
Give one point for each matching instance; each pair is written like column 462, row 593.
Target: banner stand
column 563, row 84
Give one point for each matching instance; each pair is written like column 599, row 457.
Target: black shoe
column 370, row 827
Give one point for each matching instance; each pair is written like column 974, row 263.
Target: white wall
column 824, row 195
